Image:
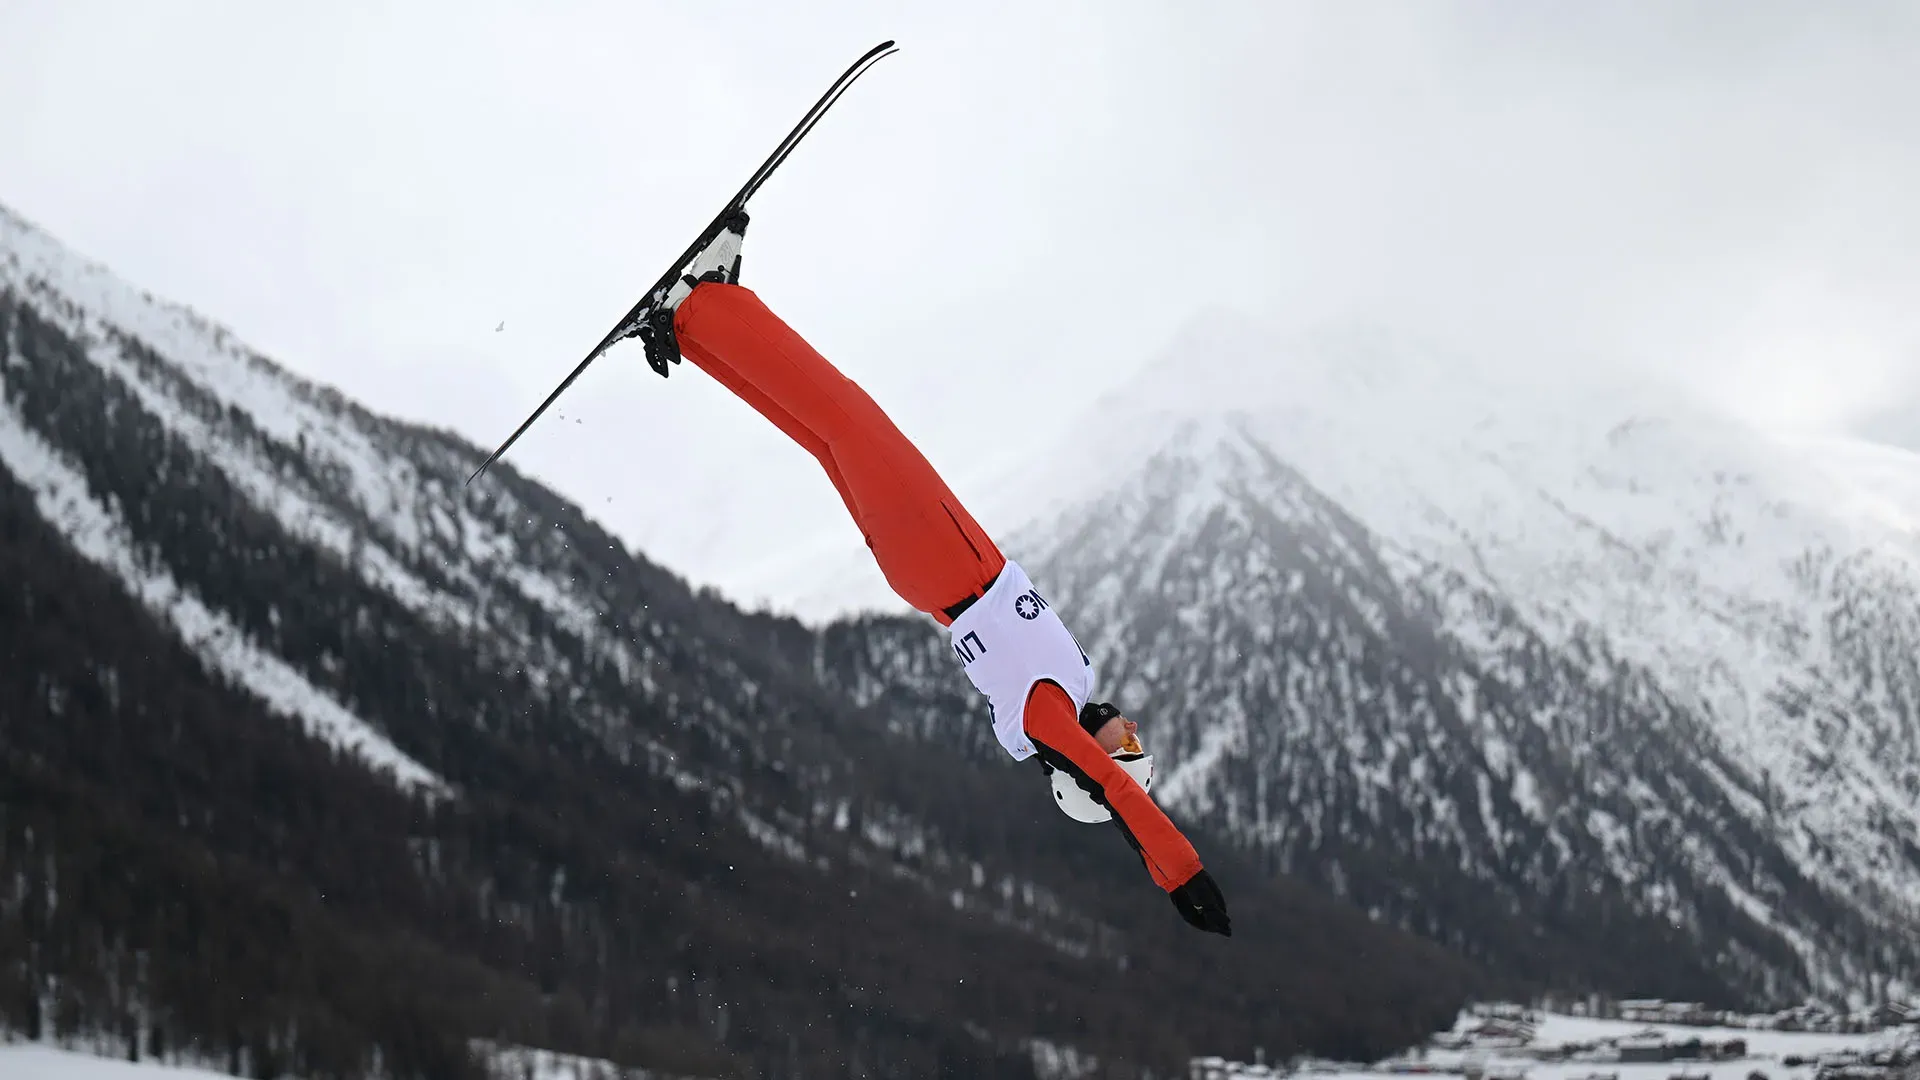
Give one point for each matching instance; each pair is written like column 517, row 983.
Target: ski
column 630, row 324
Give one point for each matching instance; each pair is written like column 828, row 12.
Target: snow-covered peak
column 384, row 498
column 33, row 260
column 285, row 409
column 1353, row 399
column 1770, row 584
column 1513, row 475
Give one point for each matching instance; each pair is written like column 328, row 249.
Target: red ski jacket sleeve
column 1054, row 726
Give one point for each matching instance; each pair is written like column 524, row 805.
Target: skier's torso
column 1009, row 640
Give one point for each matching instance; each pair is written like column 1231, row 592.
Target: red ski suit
column 931, row 550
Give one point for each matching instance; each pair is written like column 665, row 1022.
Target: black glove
column 1200, row 903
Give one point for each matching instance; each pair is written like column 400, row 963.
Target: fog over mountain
column 1717, row 193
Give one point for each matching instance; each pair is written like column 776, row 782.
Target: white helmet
column 1073, row 800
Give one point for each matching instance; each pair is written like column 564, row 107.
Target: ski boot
column 717, row 259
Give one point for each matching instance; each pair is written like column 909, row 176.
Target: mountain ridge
column 1761, row 587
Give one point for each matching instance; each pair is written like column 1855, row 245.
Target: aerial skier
column 1014, row 648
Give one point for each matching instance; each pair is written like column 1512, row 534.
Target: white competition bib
column 1010, row 639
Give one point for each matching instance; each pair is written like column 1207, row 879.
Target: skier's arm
column 1054, row 727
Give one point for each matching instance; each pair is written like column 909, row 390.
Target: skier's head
column 1115, row 734
column 1109, row 728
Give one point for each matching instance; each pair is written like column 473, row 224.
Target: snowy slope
column 33, row 264
column 493, row 566
column 357, row 488
column 1562, row 530
column 40, row 1062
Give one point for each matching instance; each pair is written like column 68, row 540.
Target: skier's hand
column 1200, row 903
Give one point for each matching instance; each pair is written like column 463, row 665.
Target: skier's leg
column 771, row 409
column 929, row 548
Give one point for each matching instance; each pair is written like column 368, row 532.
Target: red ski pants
column 931, row 550
column 928, row 546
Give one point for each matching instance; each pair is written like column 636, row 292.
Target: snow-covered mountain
column 317, row 761
column 1592, row 691
column 1546, row 629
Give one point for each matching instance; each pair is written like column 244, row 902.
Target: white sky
column 1012, row 213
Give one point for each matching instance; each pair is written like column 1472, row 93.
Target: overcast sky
column 1011, row 214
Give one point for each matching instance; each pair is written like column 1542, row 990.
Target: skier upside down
column 934, row 555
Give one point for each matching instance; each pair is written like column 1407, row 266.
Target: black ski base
column 649, row 319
